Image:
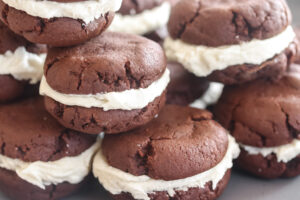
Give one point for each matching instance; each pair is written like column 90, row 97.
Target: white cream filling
column 116, row 181
column 84, row 10
column 125, row 100
column 203, row 60
column 42, row 174
column 284, row 153
column 210, row 97
column 22, row 65
column 142, row 23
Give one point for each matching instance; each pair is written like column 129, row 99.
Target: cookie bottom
column 272, row 69
column 268, row 167
column 207, row 193
column 16, row 188
column 12, row 89
column 96, row 120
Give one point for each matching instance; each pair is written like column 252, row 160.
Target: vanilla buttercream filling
column 85, row 10
column 116, row 181
column 284, row 153
column 22, row 65
column 210, row 97
column 41, row 174
column 203, row 60
column 125, row 100
column 142, row 23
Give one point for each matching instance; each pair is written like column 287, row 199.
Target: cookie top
column 226, row 22
column 29, row 133
column 9, row 41
column 130, row 7
column 111, row 62
column 262, row 113
column 180, row 143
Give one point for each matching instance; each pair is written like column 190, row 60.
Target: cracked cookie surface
column 179, row 143
column 113, row 62
column 262, row 113
column 226, row 22
column 60, row 31
column 30, row 134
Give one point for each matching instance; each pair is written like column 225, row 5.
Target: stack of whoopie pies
column 249, row 46
column 104, row 94
column 41, row 159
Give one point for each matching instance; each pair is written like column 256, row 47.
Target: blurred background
column 295, row 7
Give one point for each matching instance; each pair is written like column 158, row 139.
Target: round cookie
column 36, row 153
column 113, row 83
column 58, row 23
column 168, row 154
column 184, row 87
column 143, row 17
column 232, row 41
column 21, row 65
column 263, row 117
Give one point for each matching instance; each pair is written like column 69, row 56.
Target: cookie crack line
column 190, row 21
column 294, row 133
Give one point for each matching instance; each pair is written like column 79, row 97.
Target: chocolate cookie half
column 113, row 83
column 58, row 23
column 38, row 155
column 263, row 117
column 143, row 17
column 232, row 41
column 21, row 65
column 182, row 154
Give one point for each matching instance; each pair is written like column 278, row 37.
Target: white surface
column 142, row 23
column 86, row 10
column 203, row 60
column 125, row 100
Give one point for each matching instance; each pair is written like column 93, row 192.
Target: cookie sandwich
column 182, row 154
column 39, row 158
column 232, row 41
column 21, row 65
column 263, row 117
column 113, row 83
column 58, row 22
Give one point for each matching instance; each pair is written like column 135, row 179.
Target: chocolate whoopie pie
column 58, row 22
column 21, row 65
column 113, row 83
column 38, row 155
column 182, row 154
column 184, row 87
column 263, row 116
column 143, row 17
column 232, row 41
